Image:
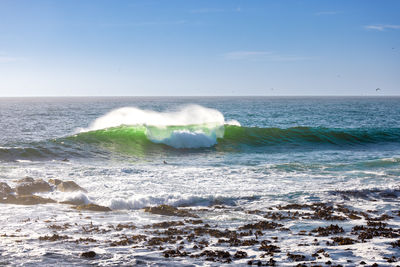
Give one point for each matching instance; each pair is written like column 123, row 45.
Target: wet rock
column 59, row 227
column 122, row 226
column 235, row 242
column 69, row 186
column 193, row 221
column 25, row 180
column 262, row 225
column 158, row 241
column 125, row 240
column 325, row 212
column 294, row 206
column 365, row 232
column 271, row 249
column 92, row 207
column 55, row 181
column 85, row 240
column 390, row 259
column 5, row 190
column 75, row 202
column 396, row 244
column 26, row 200
column 328, row 230
column 353, row 216
column 95, row 229
column 383, row 217
column 342, row 241
column 174, row 253
column 215, row 255
column 165, row 224
column 240, row 254
column 89, row 254
column 169, row 211
column 53, row 238
column 29, row 186
column 296, row 257
column 271, row 262
column 171, row 232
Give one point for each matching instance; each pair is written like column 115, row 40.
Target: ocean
column 229, row 161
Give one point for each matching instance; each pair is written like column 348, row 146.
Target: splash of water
column 193, row 125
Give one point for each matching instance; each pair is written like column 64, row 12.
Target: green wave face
column 225, row 138
column 306, row 136
column 145, row 140
column 125, row 139
column 142, row 141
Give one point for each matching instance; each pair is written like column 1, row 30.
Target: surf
column 192, row 128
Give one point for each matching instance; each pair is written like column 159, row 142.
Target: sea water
column 134, row 152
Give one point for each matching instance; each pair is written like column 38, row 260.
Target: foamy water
column 243, row 154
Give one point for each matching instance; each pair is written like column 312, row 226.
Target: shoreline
column 296, row 234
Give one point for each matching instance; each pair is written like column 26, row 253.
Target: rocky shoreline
column 296, row 234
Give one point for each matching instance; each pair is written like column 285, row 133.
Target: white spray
column 211, row 121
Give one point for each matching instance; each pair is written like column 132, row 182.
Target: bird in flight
column 377, row 89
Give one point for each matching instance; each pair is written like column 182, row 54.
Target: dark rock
column 328, row 230
column 26, row 200
column 125, row 240
column 55, row 181
column 371, row 232
column 215, row 255
column 396, row 244
column 5, row 190
column 269, row 248
column 341, row 241
column 262, row 225
column 92, row 207
column 240, row 254
column 53, row 238
column 89, row 254
column 69, row 186
column 25, row 180
column 169, row 211
column 28, row 186
column 165, row 224
column 75, row 202
column 296, row 257
column 174, row 253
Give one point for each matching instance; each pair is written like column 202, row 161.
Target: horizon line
column 186, row 96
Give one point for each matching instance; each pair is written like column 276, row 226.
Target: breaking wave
column 143, row 132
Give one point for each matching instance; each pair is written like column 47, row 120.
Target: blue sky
column 188, row 47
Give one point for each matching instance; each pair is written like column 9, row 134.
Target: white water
column 209, row 122
column 187, row 115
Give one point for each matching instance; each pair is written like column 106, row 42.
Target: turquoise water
column 280, row 144
column 243, row 153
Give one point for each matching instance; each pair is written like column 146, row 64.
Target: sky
column 199, row 48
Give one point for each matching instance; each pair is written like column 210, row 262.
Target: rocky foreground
column 313, row 234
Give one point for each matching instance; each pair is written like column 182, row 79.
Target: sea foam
column 194, row 126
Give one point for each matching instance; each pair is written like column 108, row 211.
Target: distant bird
column 165, row 162
column 378, row 89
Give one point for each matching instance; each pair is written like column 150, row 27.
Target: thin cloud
column 214, row 10
column 323, row 13
column 382, row 27
column 261, row 56
column 6, row 59
column 145, row 23
column 207, row 10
